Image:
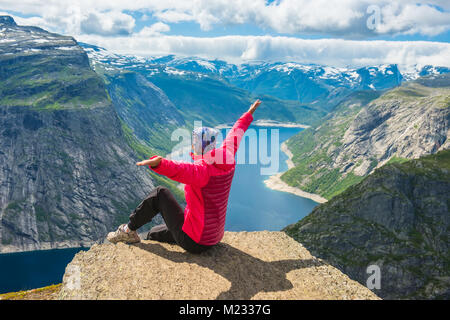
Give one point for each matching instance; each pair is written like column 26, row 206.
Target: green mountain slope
column 46, row 71
column 145, row 109
column 67, row 167
column 368, row 131
column 396, row 218
column 215, row 101
column 199, row 96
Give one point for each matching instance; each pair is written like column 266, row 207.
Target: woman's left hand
column 150, row 162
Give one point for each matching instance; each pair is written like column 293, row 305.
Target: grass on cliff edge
column 50, row 84
column 45, row 293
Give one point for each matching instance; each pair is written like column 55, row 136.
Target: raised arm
column 234, row 136
column 183, row 172
column 254, row 106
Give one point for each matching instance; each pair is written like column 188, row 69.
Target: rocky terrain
column 67, row 168
column 368, row 131
column 245, row 265
column 398, row 219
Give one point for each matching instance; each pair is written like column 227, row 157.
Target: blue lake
column 33, row 269
column 252, row 207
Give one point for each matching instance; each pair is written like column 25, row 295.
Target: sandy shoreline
column 288, row 152
column 275, row 183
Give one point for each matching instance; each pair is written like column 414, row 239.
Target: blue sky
column 341, row 32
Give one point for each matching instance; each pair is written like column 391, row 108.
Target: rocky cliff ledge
column 245, row 265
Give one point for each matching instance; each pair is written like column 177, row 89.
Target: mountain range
column 310, row 84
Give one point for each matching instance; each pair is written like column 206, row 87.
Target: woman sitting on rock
column 207, row 186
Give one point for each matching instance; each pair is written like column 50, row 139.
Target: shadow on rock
column 248, row 275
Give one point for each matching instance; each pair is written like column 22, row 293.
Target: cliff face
column 245, row 265
column 406, row 122
column 145, row 109
column 396, row 218
column 365, row 133
column 67, row 172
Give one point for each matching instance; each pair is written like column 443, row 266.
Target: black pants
column 161, row 200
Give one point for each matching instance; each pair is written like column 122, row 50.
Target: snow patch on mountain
column 366, row 78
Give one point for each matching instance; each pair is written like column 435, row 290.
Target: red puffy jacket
column 207, row 185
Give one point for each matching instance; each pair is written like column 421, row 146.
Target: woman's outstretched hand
column 254, row 106
column 150, row 162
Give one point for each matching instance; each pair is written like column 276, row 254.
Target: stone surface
column 245, row 265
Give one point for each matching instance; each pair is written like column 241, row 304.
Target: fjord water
column 33, row 269
column 252, row 207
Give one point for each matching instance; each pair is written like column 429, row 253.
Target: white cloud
column 342, row 18
column 412, row 19
column 154, row 30
column 108, row 24
column 71, row 20
column 33, row 21
column 237, row 49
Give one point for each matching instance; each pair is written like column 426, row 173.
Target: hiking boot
column 121, row 236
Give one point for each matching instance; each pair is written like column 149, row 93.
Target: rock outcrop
column 397, row 219
column 245, row 265
column 67, row 170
